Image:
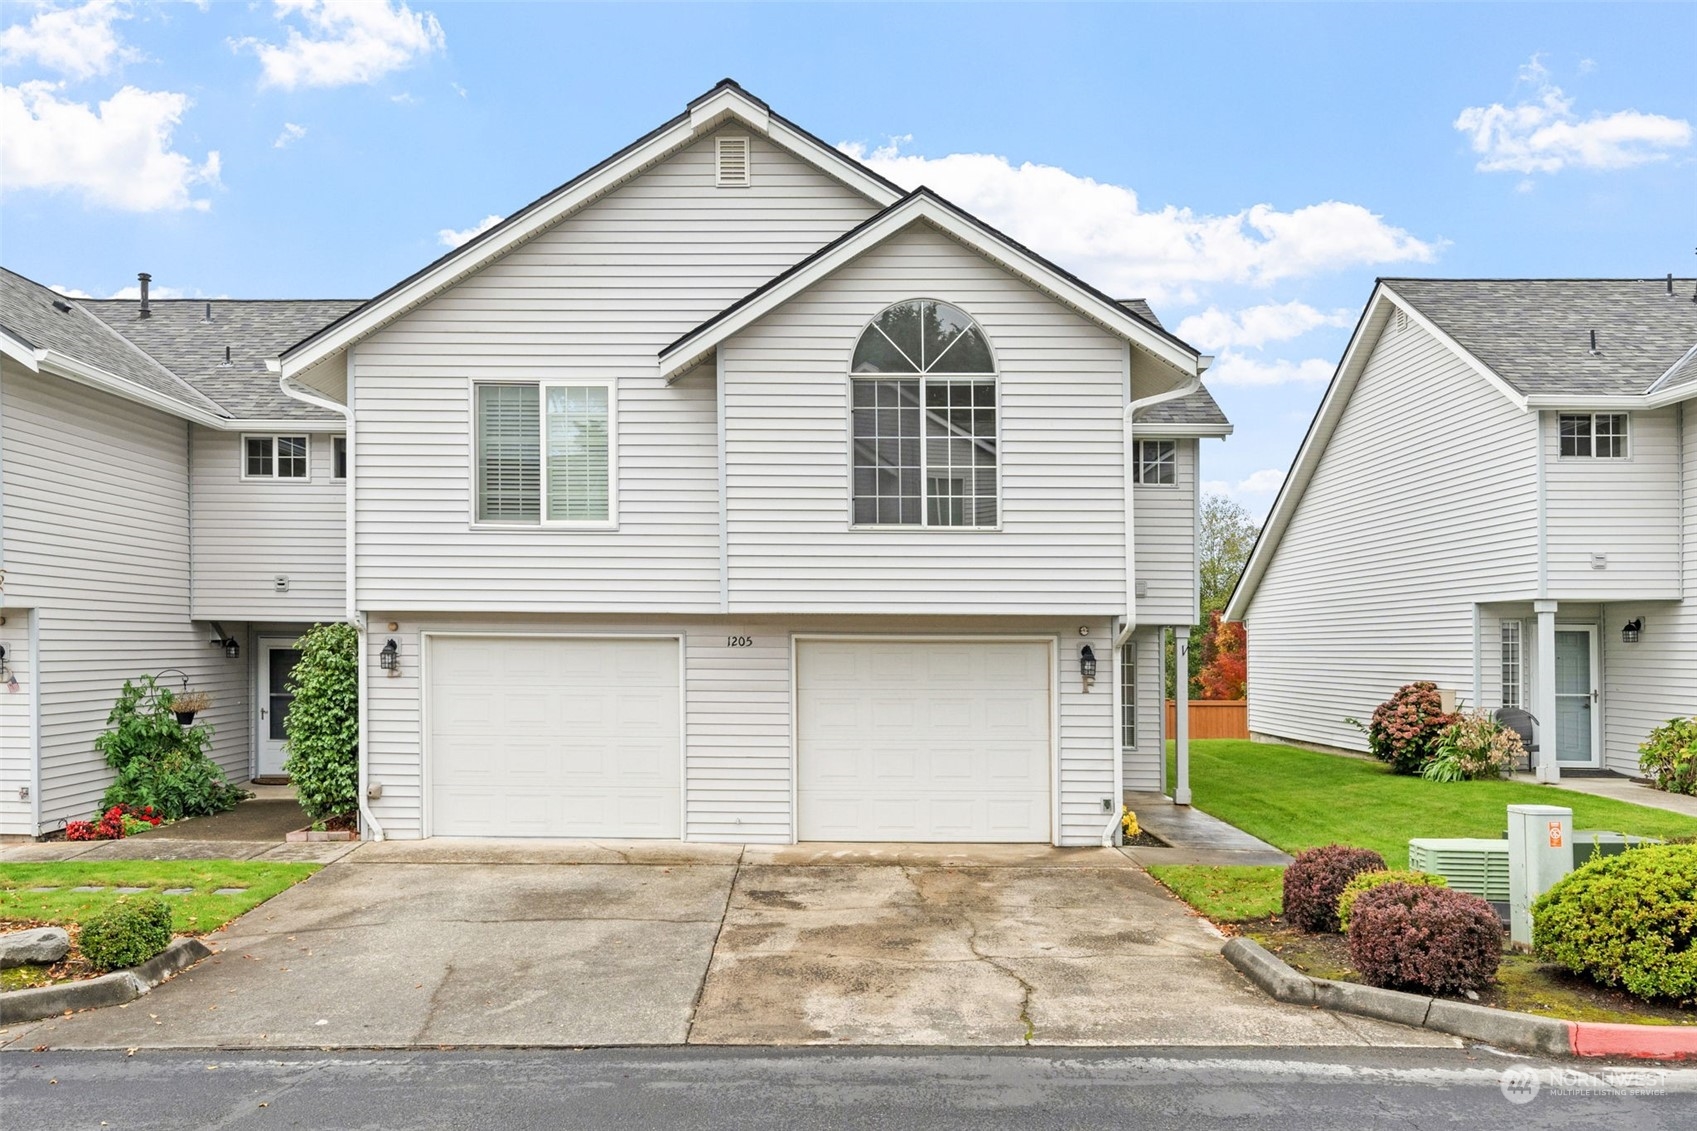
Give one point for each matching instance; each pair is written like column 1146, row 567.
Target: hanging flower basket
column 187, row 704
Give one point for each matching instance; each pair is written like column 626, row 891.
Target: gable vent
column 733, row 162
column 1399, row 321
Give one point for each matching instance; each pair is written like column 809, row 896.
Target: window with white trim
column 1128, row 695
column 1155, row 463
column 338, row 457
column 274, row 457
column 1598, row 435
column 923, row 420
column 544, row 453
column 1511, row 662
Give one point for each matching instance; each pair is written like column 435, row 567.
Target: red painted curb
column 1661, row 1042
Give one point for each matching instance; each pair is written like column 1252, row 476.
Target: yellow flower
column 1128, row 822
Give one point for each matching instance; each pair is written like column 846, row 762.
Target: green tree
column 322, row 726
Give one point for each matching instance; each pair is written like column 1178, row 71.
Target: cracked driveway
column 445, row 942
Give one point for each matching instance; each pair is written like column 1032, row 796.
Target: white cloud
column 133, row 291
column 447, row 237
column 1257, row 325
column 78, row 42
column 1544, row 135
column 1267, row 481
column 1236, row 369
column 1255, row 491
column 118, row 156
column 1101, row 231
column 458, row 89
column 346, row 42
column 69, row 292
column 403, row 99
column 291, row 134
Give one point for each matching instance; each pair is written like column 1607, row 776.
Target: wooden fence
column 1212, row 718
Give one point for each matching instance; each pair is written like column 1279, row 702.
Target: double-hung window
column 1155, row 463
column 544, row 453
column 924, row 420
column 274, row 457
column 1599, row 435
column 338, row 457
column 1511, row 662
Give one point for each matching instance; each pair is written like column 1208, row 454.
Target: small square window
column 259, row 455
column 1156, row 463
column 291, row 457
column 339, row 457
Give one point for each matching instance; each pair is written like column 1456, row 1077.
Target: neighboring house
column 727, row 492
column 1499, row 494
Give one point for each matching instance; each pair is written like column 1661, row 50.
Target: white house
column 727, row 492
column 1498, row 493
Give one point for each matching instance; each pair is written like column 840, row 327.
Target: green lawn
column 1296, row 799
column 194, row 913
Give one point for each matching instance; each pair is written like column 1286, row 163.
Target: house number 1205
column 739, row 641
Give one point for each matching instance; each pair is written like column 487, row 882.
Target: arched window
column 924, row 419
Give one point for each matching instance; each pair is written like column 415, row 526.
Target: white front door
column 1577, row 715
column 277, row 658
column 17, row 725
column 923, row 740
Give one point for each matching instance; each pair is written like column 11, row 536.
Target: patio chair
column 1520, row 722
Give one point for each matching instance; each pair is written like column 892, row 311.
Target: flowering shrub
column 1669, row 756
column 1628, row 920
column 1315, row 880
column 1430, row 939
column 1367, row 881
column 1474, row 746
column 1405, row 728
column 126, row 933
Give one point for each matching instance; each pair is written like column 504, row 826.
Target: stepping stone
column 43, row 889
column 128, row 891
column 228, row 891
column 179, row 891
column 89, row 889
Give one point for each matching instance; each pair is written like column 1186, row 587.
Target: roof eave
column 71, row 369
column 1161, row 430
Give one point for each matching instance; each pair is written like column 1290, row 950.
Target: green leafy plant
column 323, row 722
column 1414, row 937
column 1405, row 728
column 1669, row 756
column 1367, row 881
column 1628, row 920
column 126, row 934
column 1474, row 746
column 160, row 763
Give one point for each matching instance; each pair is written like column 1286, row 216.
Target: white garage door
column 907, row 740
column 531, row 736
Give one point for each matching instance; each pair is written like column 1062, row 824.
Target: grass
column 1224, row 894
column 195, row 913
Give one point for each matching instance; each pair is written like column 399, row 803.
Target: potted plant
column 186, row 704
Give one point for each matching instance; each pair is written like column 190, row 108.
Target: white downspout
column 353, row 617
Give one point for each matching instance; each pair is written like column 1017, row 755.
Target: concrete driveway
column 443, row 942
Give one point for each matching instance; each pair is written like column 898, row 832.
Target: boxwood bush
column 1367, row 881
column 126, row 934
column 1315, row 880
column 1628, row 920
column 323, row 723
column 1427, row 939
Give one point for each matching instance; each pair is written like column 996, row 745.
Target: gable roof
column 64, row 338
column 725, row 102
column 924, row 205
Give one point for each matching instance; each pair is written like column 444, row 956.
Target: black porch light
column 390, row 658
column 1629, row 633
column 232, row 650
column 1087, row 663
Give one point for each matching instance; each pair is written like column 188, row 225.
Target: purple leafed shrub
column 1317, row 877
column 1433, row 940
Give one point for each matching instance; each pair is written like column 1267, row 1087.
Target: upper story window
column 338, row 457
column 274, row 457
column 1155, row 463
column 544, row 453
column 1602, row 435
column 924, row 420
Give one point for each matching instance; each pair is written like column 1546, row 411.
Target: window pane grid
column 1511, row 667
column 887, row 488
column 960, row 453
column 291, row 457
column 1601, row 435
column 1128, row 696
column 1156, row 463
column 259, row 454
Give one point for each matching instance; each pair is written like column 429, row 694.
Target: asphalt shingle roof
column 1536, row 333
column 1197, row 408
column 49, row 321
column 181, row 338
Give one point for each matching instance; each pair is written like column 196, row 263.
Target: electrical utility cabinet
column 1540, row 852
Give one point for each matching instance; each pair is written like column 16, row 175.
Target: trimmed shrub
column 126, row 934
column 1367, row 881
column 1405, row 728
column 161, row 764
column 1474, row 746
column 1432, row 940
column 1669, row 756
column 323, row 722
column 1315, row 880
column 1628, row 920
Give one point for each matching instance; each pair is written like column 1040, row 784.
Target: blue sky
column 1250, row 169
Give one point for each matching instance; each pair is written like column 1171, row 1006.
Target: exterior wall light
column 232, row 650
column 1629, row 634
column 1087, row 665
column 390, row 658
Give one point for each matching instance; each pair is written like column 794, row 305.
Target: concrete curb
column 1524, row 1032
column 115, row 988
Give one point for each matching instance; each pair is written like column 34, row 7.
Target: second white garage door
column 923, row 741
column 555, row 737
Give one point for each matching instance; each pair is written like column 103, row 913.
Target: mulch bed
column 1146, row 839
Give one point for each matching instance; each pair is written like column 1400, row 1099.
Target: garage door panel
column 541, row 736
column 911, row 740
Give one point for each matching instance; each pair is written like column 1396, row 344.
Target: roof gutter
column 61, row 365
column 354, row 618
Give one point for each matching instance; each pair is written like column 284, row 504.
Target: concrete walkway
column 445, row 942
column 1195, row 837
column 1622, row 789
column 150, row 847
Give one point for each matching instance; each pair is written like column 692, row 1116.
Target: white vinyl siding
column 249, row 532
column 1627, row 510
column 1392, row 544
column 791, row 544
column 595, row 298
column 1165, row 561
column 96, row 528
